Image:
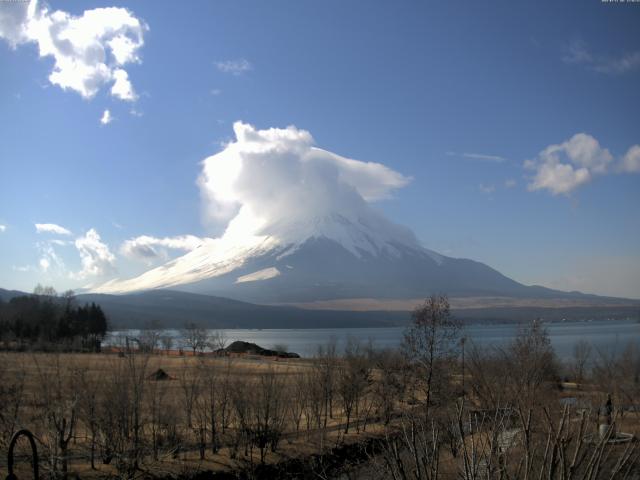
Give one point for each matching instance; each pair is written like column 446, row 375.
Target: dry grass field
column 106, row 392
column 151, row 415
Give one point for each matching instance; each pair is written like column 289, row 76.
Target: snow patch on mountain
column 264, row 274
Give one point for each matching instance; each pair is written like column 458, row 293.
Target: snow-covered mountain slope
column 329, row 257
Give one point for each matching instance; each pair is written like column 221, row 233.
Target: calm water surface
column 603, row 335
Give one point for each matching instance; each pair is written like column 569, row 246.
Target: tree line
column 46, row 320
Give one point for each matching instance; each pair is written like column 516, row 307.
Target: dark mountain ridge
column 174, row 308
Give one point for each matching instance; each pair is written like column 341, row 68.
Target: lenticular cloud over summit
column 268, row 176
column 274, row 190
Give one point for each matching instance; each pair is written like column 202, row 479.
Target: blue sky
column 481, row 104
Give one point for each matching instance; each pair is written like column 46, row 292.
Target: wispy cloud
column 234, row 67
column 148, row 249
column 215, row 92
column 487, row 189
column 478, row 156
column 61, row 243
column 49, row 259
column 106, row 118
column 577, row 53
column 510, row 183
column 51, row 228
column 22, row 268
column 3, row 228
column 89, row 51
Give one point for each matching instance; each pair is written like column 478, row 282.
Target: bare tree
column 194, row 337
column 89, row 385
column 316, row 401
column 217, row 340
column 42, row 291
column 224, row 388
column 581, row 355
column 558, row 446
column 167, row 342
column 532, row 363
column 201, row 413
column 156, row 407
column 617, row 372
column 137, row 374
column 241, row 404
column 298, row 395
column 521, row 374
column 12, row 392
column 268, row 412
column 190, row 388
column 149, row 337
column 389, row 388
column 111, row 413
column 430, row 342
column 121, row 416
column 354, row 376
column 489, row 376
column 212, row 396
column 325, row 364
column 59, row 409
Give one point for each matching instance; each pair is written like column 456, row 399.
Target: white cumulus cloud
column 106, row 118
column 3, row 228
column 96, row 258
column 267, row 176
column 122, row 87
column 562, row 168
column 89, row 50
column 148, row 249
column 51, row 228
column 631, row 161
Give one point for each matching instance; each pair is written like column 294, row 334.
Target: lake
column 603, row 335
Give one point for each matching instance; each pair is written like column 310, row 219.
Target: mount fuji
column 302, row 228
column 334, row 256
